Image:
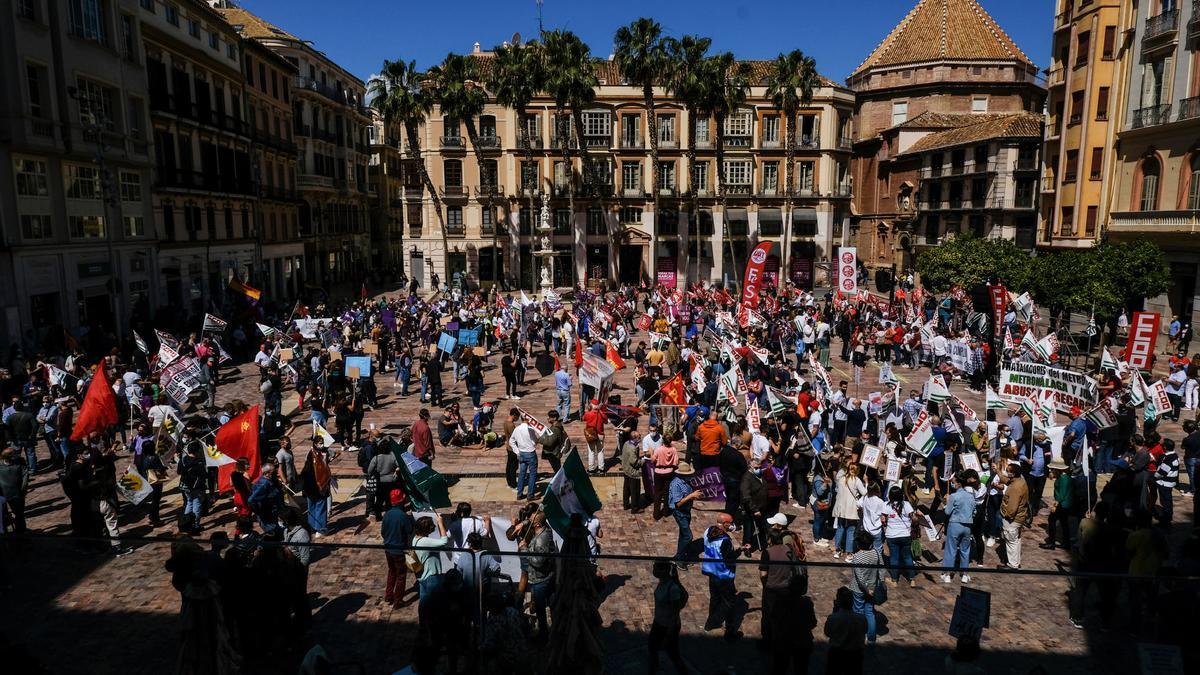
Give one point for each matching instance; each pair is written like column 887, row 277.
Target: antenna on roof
column 516, row 39
column 541, row 30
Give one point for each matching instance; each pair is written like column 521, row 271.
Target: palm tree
column 640, row 53
column 731, row 84
column 790, row 85
column 686, row 81
column 571, row 81
column 399, row 94
column 461, row 96
column 516, row 77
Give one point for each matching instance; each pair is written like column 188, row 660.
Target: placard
column 360, row 363
column 335, row 355
column 847, row 271
column 286, row 355
column 369, row 347
column 970, row 460
column 972, row 612
column 1019, row 380
column 893, row 470
column 870, row 456
column 352, row 372
column 1143, row 333
column 446, row 342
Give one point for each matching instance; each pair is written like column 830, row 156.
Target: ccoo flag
column 570, row 492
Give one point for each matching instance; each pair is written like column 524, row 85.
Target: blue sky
column 359, row 34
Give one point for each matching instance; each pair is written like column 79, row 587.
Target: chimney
column 476, row 49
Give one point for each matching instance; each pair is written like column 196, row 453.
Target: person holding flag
column 316, row 482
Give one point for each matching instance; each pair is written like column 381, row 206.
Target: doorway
column 630, row 263
column 417, row 268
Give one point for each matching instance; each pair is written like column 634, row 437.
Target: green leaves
column 1107, row 277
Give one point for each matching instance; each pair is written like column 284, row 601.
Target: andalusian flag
column 886, row 376
column 251, row 293
column 1028, row 341
column 994, row 402
column 1045, row 410
column 426, row 488
column 780, row 402
column 937, row 389
column 920, row 440
column 1047, row 347
column 1107, row 362
column 569, row 492
column 1029, row 406
column 141, row 343
column 1137, row 389
column 727, row 387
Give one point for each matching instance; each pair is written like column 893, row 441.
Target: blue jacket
column 960, row 507
column 397, row 530
column 718, row 556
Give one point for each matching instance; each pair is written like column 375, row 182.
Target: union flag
column 613, row 356
column 238, row 438
column 673, row 392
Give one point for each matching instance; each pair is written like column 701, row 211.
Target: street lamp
column 94, row 124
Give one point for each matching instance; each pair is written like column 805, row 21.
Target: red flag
column 578, row 352
column 363, row 291
column 754, row 274
column 672, row 392
column 613, row 356
column 238, row 438
column 99, row 410
column 557, row 364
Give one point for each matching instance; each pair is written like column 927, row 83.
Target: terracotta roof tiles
column 976, row 128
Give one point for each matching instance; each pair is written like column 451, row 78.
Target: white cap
column 778, row 519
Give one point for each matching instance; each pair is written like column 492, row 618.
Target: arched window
column 1150, row 175
column 1193, row 200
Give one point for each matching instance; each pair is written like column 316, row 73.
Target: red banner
column 999, row 303
column 1143, row 333
column 754, row 278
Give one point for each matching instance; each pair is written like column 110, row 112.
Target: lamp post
column 94, row 123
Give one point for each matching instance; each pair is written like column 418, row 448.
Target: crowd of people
column 733, row 403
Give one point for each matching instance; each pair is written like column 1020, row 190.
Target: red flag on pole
column 238, row 438
column 752, row 282
column 578, row 352
column 613, row 356
column 673, row 392
column 99, row 410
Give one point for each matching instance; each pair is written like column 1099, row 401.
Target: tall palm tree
column 687, row 82
column 641, row 54
column 790, row 84
column 516, row 77
column 399, row 94
column 571, row 81
column 461, row 96
column 731, row 84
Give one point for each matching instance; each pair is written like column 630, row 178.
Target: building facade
column 616, row 233
column 1156, row 176
column 385, row 181
column 78, row 233
column 329, row 125
column 1083, row 86
column 945, row 62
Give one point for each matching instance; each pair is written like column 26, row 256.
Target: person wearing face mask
column 754, row 501
column 1002, row 440
column 718, row 555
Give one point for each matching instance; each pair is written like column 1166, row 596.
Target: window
column 1089, row 225
column 804, row 177
column 147, row 5
column 1083, row 48
column 27, row 9
column 562, row 222
column 35, row 78
column 36, row 226
column 487, row 172
column 631, row 136
column 214, row 41
column 899, row 112
column 596, row 226
column 86, row 227
column 1102, row 103
column 131, row 187
column 702, row 132
column 128, row 38
column 1097, row 164
column 135, row 226
column 700, row 177
column 666, row 129
column 738, row 171
column 231, row 52
column 83, row 182
column 172, row 14
column 630, row 215
column 979, row 104
column 597, row 124
column 1067, row 227
column 770, row 130
column 1156, row 83
column 1110, row 41
column 599, row 170
column 1150, row 172
column 31, row 178
column 1193, row 200
column 770, row 178
column 193, row 28
column 1076, row 108
column 666, row 175
column 87, row 20
column 529, row 175
column 1071, row 167
column 450, row 127
column 562, row 178
column 452, row 172
column 631, row 176
column 738, row 125
column 96, row 104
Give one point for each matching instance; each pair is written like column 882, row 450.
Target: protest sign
column 534, row 423
column 970, row 460
column 870, row 456
column 133, row 486
column 893, row 470
column 308, row 327
column 960, row 356
column 707, row 481
column 213, row 324
column 469, row 337
column 446, row 342
column 180, row 379
column 1143, row 332
column 1020, row 380
column 972, row 612
column 362, row 363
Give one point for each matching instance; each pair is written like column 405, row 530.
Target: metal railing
column 489, row 189
column 631, row 143
column 453, row 191
column 1184, row 221
column 452, row 142
column 489, row 142
column 1162, row 24
column 1150, row 116
column 1189, row 108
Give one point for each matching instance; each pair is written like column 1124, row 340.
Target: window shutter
column 1148, row 81
column 1167, row 77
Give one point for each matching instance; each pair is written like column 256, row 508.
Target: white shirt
column 939, row 345
column 898, row 524
column 262, row 359
column 650, row 444
column 872, row 510
column 523, row 439
column 759, row 447
column 593, row 528
column 159, row 413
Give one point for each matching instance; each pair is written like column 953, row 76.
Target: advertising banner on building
column 1143, row 333
column 847, row 271
column 1020, row 380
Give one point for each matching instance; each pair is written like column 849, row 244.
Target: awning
column 737, row 216
column 804, row 215
column 771, row 217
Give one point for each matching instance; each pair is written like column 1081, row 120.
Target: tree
column 571, row 81
column 1137, row 268
column 517, row 75
column 730, row 80
column 461, row 96
column 790, row 84
column 687, row 82
column 968, row 261
column 399, row 94
column 1104, row 279
column 641, row 55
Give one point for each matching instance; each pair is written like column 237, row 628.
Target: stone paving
column 121, row 615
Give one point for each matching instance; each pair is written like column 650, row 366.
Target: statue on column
column 544, row 215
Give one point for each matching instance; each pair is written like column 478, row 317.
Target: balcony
column 1025, row 164
column 307, row 84
column 1155, row 222
column 812, row 142
column 1150, row 116
column 453, row 191
column 597, row 190
column 1189, row 108
column 632, row 143
column 703, row 144
column 633, row 193
column 597, row 141
column 205, row 181
column 737, row 141
column 489, row 190
column 772, row 144
column 1062, row 20
column 1049, row 184
column 806, row 192
column 1055, row 76
column 414, row 191
column 488, row 142
column 452, row 143
column 1161, row 28
column 845, row 143
column 1023, row 201
column 42, row 128
column 738, row 190
column 769, row 192
column 313, row 181
column 414, row 230
column 670, row 191
column 556, row 142
column 455, row 230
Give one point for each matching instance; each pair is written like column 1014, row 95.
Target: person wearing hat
column 397, row 531
column 680, row 496
column 1014, row 512
column 1061, row 511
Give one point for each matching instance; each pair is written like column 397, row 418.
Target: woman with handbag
column 850, row 489
column 822, row 500
column 867, row 584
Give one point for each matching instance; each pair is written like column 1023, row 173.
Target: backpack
column 414, row 563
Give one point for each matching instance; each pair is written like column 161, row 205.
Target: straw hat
column 684, row 469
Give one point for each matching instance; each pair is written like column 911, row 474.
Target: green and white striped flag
column 780, row 402
column 937, row 389
column 1137, row 389
column 994, row 402
column 1029, row 406
column 569, row 492
column 1047, row 347
column 1107, row 362
column 920, row 440
column 1028, row 341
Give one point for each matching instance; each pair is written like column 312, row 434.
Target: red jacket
column 594, row 419
column 422, row 439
